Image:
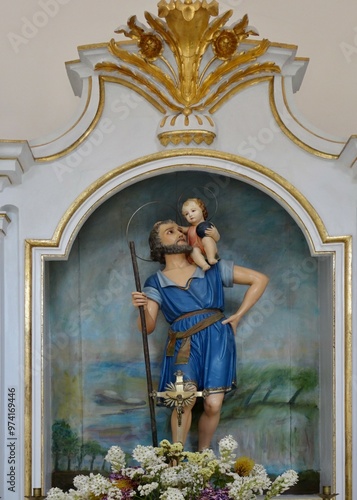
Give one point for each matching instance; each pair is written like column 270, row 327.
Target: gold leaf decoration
column 186, row 61
column 170, row 54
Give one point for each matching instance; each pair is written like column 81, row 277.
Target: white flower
column 208, row 455
column 116, row 458
column 156, row 479
column 114, row 494
column 95, row 484
column 77, row 495
column 282, row 483
column 191, row 473
column 81, row 482
column 172, row 494
column 146, row 456
column 146, row 489
column 133, row 473
column 261, row 477
column 98, row 485
column 57, row 494
column 247, row 487
column 154, row 470
column 227, row 443
column 226, row 447
column 169, row 477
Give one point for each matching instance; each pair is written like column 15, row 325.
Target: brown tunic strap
column 184, row 351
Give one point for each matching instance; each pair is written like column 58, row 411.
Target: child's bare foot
column 206, row 267
column 212, row 261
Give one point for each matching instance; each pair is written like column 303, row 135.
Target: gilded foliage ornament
column 151, row 46
column 225, row 44
column 186, row 62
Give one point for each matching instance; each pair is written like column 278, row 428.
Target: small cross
column 179, row 395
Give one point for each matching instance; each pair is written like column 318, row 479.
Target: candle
column 326, row 490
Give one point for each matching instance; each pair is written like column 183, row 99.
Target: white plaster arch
column 337, row 274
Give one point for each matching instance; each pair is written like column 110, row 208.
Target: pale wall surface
column 38, row 36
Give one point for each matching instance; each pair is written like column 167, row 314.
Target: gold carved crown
column 187, row 65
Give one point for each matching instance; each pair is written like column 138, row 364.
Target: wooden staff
column 146, row 348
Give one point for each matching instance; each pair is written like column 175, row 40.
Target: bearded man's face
column 176, row 249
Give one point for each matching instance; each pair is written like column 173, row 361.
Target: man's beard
column 176, row 249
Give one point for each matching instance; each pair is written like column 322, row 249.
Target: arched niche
column 331, row 254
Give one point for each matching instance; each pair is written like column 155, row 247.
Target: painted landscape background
column 98, row 384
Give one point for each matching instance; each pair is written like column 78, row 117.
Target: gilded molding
column 102, row 80
column 86, row 133
column 186, row 152
column 28, row 370
column 346, row 241
column 238, row 88
column 348, row 365
column 297, row 121
column 4, row 223
column 349, row 151
column 187, row 64
column 136, row 88
column 187, row 133
column 180, row 136
column 301, row 144
column 89, row 94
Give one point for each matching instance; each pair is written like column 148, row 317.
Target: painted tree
column 64, row 443
column 93, row 449
column 275, row 377
column 304, row 379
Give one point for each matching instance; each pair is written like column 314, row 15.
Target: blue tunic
column 212, row 361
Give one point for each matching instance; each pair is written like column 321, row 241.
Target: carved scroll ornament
column 188, row 64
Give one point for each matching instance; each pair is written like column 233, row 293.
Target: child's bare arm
column 213, row 233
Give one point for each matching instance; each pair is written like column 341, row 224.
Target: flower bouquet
column 168, row 472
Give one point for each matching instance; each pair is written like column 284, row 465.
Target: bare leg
column 210, row 248
column 199, row 259
column 209, row 420
column 180, row 433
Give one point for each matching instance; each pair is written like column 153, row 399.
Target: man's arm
column 257, row 284
column 151, row 309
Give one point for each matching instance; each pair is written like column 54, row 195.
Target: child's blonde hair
column 200, row 203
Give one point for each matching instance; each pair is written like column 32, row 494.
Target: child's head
column 194, row 202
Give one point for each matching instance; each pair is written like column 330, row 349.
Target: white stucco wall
column 38, row 36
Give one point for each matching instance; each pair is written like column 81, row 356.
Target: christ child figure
column 202, row 235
